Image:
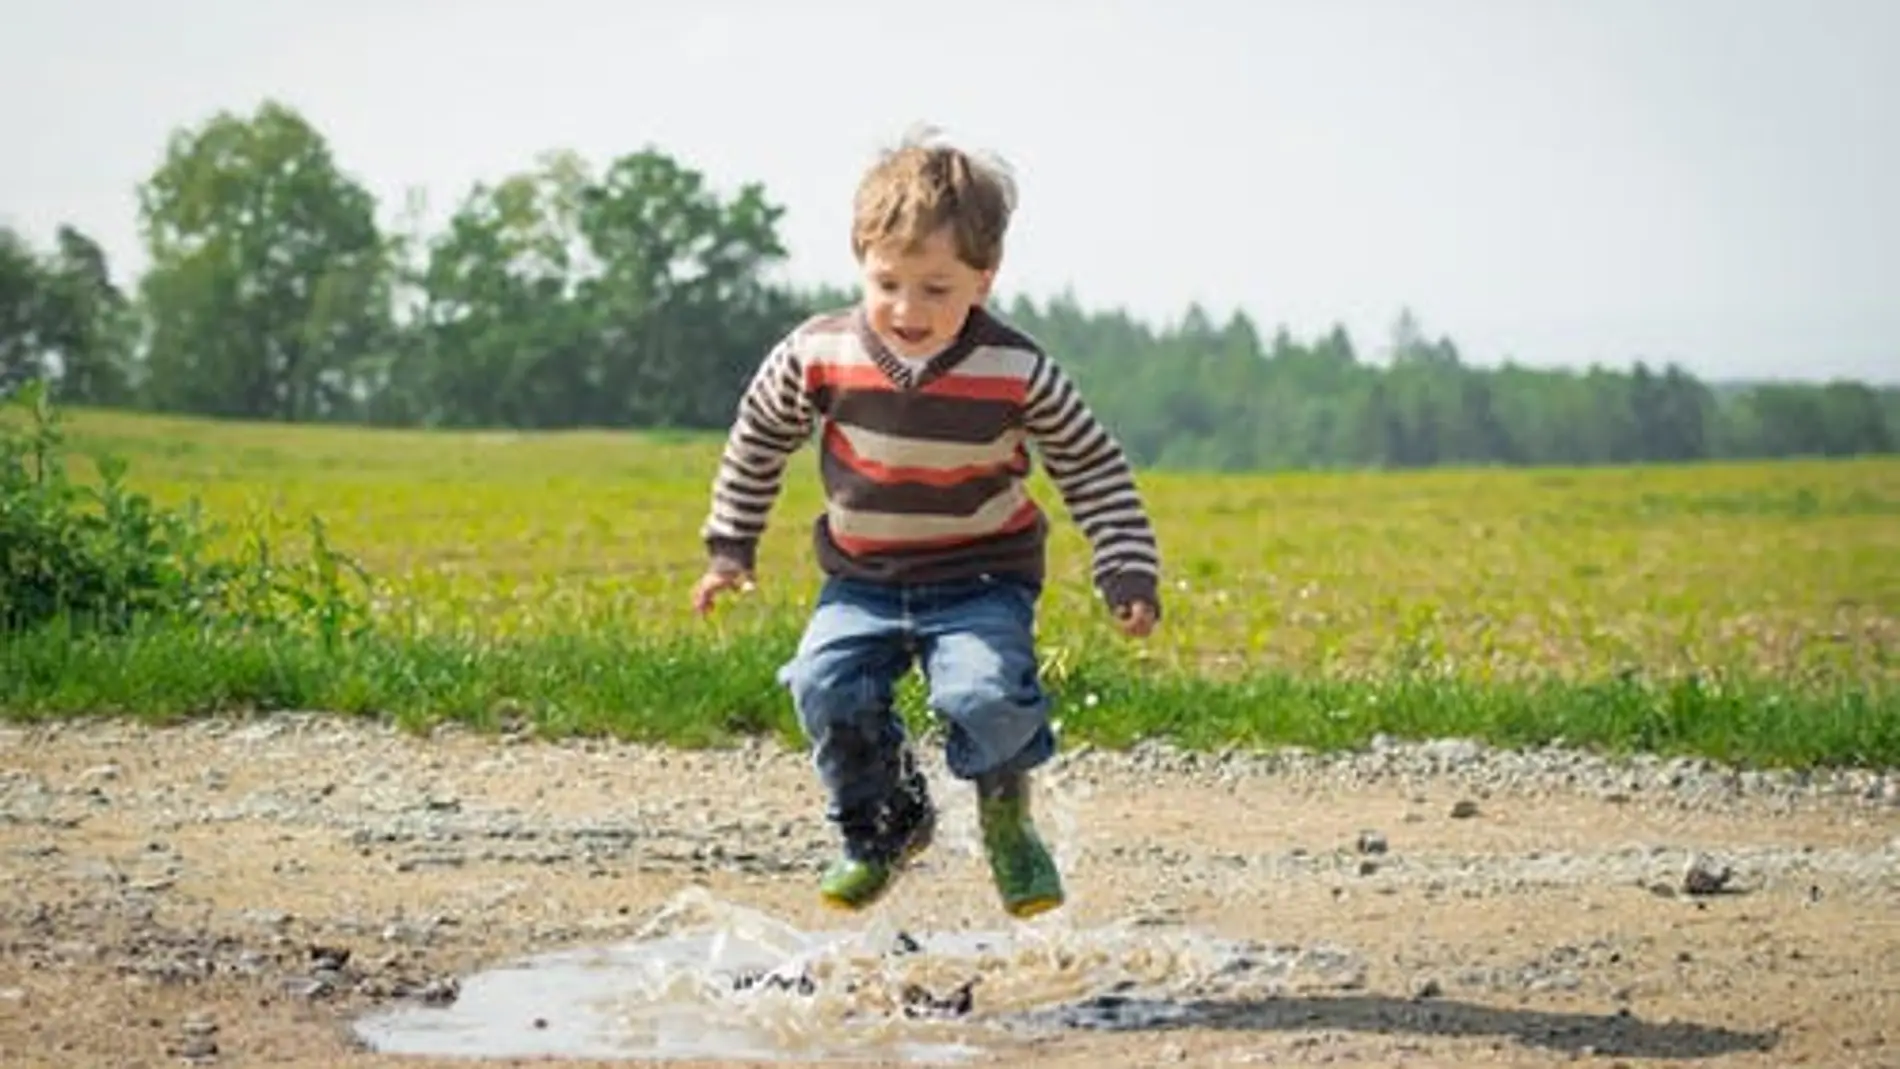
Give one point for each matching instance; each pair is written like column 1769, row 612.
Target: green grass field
column 1746, row 612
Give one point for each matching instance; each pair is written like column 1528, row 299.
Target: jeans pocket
column 1018, row 594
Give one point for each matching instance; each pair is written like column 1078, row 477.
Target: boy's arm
column 1089, row 469
column 774, row 418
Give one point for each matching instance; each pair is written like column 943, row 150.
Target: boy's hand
column 715, row 580
column 1137, row 619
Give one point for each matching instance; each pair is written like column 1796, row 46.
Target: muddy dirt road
column 240, row 893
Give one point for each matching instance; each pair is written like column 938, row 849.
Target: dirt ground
column 237, row 893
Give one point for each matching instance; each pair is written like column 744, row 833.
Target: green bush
column 99, row 558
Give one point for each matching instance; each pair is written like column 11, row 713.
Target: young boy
column 925, row 404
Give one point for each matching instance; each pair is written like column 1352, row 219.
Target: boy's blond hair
column 926, row 184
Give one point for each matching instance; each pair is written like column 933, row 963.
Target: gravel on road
column 240, row 891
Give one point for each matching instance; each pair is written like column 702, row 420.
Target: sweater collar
column 910, row 376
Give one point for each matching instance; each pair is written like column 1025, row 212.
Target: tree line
column 634, row 295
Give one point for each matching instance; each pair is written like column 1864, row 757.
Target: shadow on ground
column 1617, row 1034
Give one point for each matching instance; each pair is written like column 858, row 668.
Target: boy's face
column 917, row 299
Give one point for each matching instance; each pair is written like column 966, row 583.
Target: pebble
column 1704, row 876
column 198, row 1025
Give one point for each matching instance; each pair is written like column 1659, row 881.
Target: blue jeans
column 975, row 641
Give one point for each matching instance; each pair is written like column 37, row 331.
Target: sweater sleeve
column 774, row 418
column 1093, row 475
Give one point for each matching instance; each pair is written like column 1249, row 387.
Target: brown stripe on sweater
column 989, row 518
column 853, row 489
column 1019, row 554
column 917, row 415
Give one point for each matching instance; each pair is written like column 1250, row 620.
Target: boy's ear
column 984, row 280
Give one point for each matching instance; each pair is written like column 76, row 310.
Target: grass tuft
column 697, row 692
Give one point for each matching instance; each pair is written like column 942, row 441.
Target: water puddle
column 711, row 979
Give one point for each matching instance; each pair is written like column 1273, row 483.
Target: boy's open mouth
column 911, row 335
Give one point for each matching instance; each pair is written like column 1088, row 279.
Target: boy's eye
column 934, row 290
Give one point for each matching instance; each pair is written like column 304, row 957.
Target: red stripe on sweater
column 877, row 471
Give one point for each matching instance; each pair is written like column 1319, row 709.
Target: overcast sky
column 1707, row 181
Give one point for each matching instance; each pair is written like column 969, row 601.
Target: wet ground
column 308, row 891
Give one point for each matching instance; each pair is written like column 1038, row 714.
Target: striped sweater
column 923, row 467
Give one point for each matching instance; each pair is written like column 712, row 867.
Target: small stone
column 1427, row 987
column 1704, row 877
column 306, row 988
column 325, row 957
column 1464, row 809
column 1372, row 842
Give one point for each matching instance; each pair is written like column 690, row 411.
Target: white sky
column 1562, row 181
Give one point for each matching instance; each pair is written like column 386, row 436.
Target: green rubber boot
column 1024, row 872
column 854, row 881
column 880, row 843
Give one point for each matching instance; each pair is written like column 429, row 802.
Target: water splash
column 706, row 978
